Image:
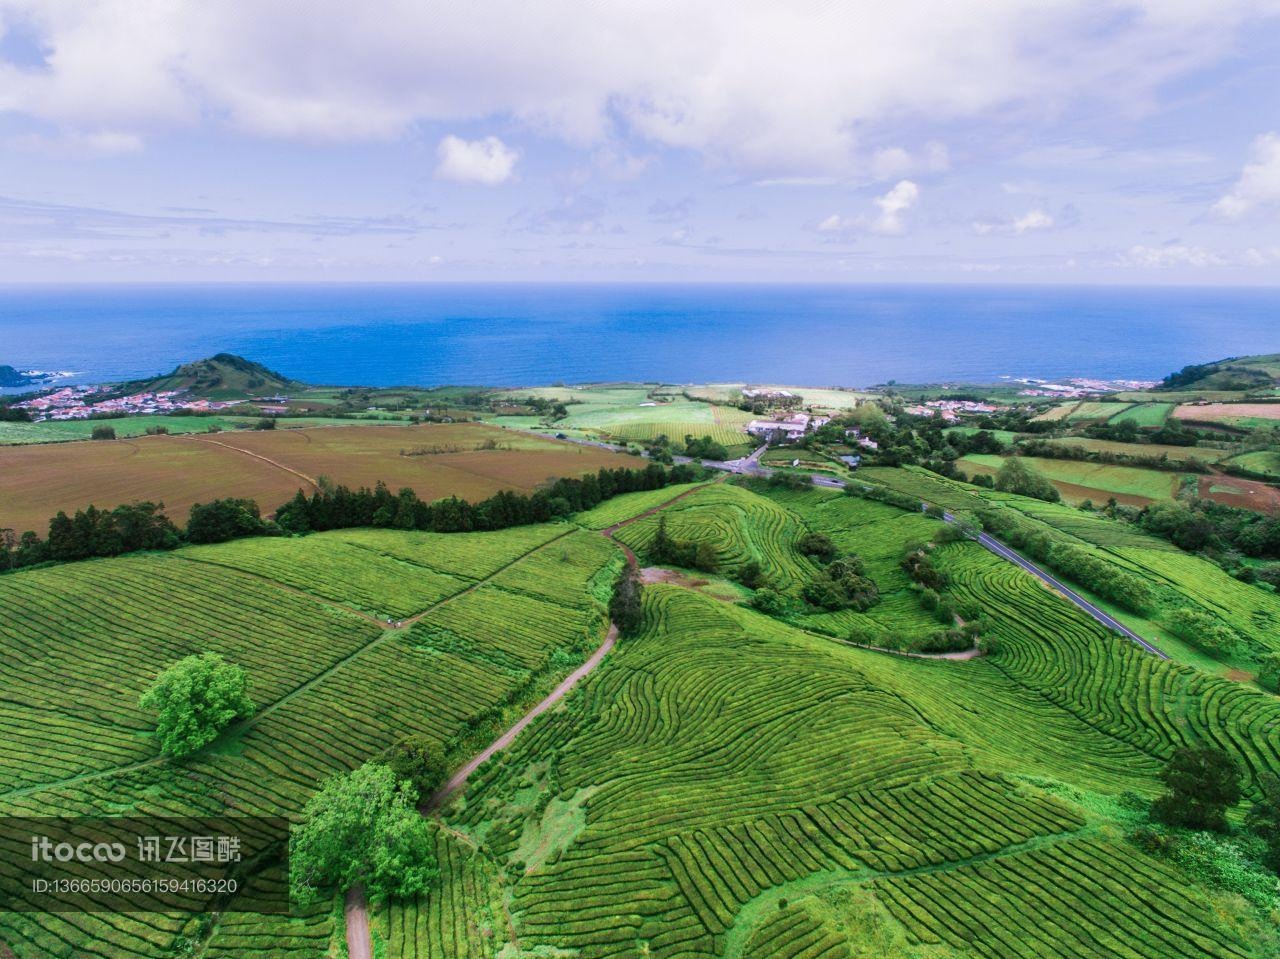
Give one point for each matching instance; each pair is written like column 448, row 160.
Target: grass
column 1204, row 454
column 1007, row 437
column 1251, row 415
column 1060, row 412
column 1079, row 480
column 60, row 431
column 1092, row 411
column 269, row 466
column 1266, row 462
column 1144, row 414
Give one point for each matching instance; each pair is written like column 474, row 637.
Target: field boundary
column 259, row 456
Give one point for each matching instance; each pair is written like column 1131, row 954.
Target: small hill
column 224, row 377
column 11, row 378
column 1233, row 373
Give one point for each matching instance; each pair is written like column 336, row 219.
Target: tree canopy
column 1017, row 476
column 195, row 699
column 362, row 828
column 1202, row 785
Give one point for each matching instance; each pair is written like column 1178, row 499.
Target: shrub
column 1016, row 476
column 1204, row 630
column 1202, row 785
column 769, row 601
column 418, row 761
column 751, row 575
column 843, row 584
column 103, row 433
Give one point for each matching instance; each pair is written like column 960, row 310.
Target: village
column 77, row 403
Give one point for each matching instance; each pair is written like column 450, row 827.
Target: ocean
column 512, row 334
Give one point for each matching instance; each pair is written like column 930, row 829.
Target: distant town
column 78, row 403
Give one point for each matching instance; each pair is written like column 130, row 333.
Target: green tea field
column 724, row 784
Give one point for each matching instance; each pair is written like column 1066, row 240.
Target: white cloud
column 896, row 161
column 904, row 195
column 102, row 143
column 1033, row 219
column 1171, row 255
column 487, row 162
column 721, row 78
column 1259, row 185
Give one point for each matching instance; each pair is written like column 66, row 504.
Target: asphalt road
column 997, row 547
column 751, row 466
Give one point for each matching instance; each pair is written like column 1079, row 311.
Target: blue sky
column 899, row 141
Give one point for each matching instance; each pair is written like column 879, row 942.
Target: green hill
column 223, row 377
column 11, row 378
column 1233, row 373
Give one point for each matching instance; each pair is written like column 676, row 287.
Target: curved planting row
column 738, row 525
column 1072, row 898
column 721, row 758
column 1051, row 649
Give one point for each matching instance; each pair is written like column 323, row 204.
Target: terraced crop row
column 1079, row 898
column 677, row 430
column 793, row 933
column 1252, row 612
column 627, row 505
column 722, row 759
column 738, row 525
column 1054, row 652
column 460, row 918
column 82, row 642
column 333, row 568
column 334, row 690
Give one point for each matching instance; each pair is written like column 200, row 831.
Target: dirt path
column 258, row 456
column 459, row 778
column 357, row 915
column 359, row 943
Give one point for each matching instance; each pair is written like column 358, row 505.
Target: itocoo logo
column 43, row 849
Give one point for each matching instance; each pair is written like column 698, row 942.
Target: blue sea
column 511, row 334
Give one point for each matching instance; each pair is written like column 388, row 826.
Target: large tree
column 1017, row 476
column 418, row 761
column 194, row 700
column 1202, row 785
column 625, row 607
column 362, row 828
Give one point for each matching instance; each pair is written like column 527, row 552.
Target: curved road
column 997, row 547
column 750, row 466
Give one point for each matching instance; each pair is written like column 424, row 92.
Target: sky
column 641, row 140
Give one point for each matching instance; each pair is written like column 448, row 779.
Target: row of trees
column 1197, row 525
column 338, row 507
column 92, row 532
column 1106, row 579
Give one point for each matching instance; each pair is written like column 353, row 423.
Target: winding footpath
column 356, row 911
